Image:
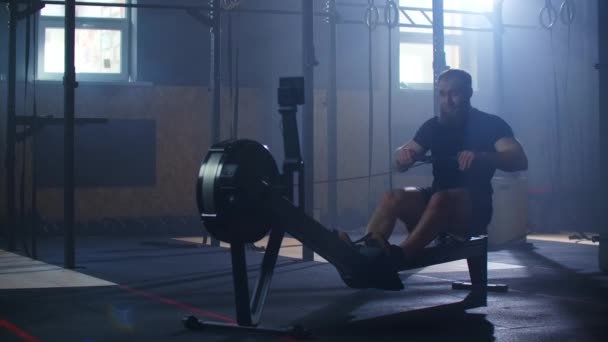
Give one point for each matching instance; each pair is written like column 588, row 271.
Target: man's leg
column 405, row 204
column 411, row 216
column 447, row 211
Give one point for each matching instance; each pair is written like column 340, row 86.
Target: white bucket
column 510, row 218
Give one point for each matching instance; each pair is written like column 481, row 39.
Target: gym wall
column 171, row 93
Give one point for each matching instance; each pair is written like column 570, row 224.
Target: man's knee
column 393, row 199
column 399, row 199
column 457, row 199
column 441, row 199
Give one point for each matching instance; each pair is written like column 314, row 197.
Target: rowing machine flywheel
column 233, row 182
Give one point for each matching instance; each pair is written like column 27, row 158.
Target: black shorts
column 482, row 211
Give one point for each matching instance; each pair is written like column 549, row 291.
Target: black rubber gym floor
column 556, row 293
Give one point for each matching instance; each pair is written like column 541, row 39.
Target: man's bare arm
column 509, row 155
column 413, row 145
column 406, row 155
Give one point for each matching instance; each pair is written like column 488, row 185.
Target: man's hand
column 405, row 158
column 466, row 159
column 508, row 156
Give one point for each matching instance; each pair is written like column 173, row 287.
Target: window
column 102, row 42
column 416, row 63
column 416, row 43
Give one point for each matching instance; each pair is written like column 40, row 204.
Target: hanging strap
column 391, row 18
column 229, row 66
column 235, row 109
column 371, row 21
column 229, row 53
column 556, row 102
column 236, row 95
column 567, row 13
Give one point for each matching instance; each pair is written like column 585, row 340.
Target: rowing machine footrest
column 377, row 272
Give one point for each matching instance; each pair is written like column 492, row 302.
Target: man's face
column 454, row 100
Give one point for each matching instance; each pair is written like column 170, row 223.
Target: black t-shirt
column 479, row 133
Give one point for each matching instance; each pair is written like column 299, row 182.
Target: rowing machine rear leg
column 478, row 272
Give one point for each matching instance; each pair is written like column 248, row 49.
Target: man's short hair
column 459, row 74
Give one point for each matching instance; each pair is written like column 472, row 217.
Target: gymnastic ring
column 548, row 12
column 567, row 12
column 372, row 16
column 391, row 14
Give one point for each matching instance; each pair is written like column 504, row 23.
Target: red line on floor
column 208, row 314
column 289, row 339
column 191, row 309
column 24, row 335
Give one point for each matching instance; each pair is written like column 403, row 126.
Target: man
column 467, row 146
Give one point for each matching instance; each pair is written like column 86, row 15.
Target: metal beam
column 402, row 9
column 174, row 7
column 123, row 5
column 450, row 28
column 69, row 85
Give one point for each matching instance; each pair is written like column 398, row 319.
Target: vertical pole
column 332, row 121
column 439, row 64
column 34, row 222
column 216, row 45
column 69, row 85
column 215, row 77
column 308, row 62
column 11, row 124
column 603, row 95
column 390, row 26
column 370, row 103
column 498, row 57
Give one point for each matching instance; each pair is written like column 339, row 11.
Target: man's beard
column 454, row 117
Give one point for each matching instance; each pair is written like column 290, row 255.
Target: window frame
column 426, row 39
column 124, row 25
column 451, row 37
